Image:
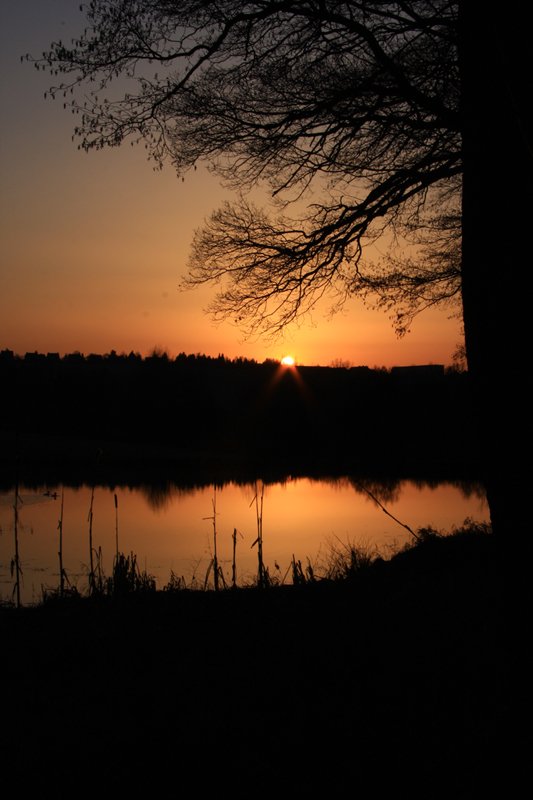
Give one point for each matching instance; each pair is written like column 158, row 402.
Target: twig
column 369, row 493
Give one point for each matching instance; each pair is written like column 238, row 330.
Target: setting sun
column 288, row 361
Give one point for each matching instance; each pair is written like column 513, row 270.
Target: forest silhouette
column 237, row 417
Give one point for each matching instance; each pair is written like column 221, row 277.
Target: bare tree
column 354, row 102
column 366, row 121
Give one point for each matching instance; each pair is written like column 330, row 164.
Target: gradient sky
column 93, row 245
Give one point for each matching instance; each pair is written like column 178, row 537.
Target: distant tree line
column 402, row 419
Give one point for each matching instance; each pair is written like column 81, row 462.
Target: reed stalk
column 60, row 553
column 261, row 574
column 215, row 558
column 92, row 580
column 15, row 563
column 234, row 560
column 116, row 526
column 99, row 575
column 214, row 561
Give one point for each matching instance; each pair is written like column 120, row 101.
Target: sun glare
column 288, row 361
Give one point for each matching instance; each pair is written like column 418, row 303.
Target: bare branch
column 355, row 99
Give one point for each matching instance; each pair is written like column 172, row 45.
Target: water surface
column 173, row 531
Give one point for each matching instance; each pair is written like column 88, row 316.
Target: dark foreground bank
column 395, row 683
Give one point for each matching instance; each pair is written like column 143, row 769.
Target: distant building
column 418, row 374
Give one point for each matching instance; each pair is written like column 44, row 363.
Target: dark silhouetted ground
column 396, row 684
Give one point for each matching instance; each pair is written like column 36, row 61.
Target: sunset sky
column 93, row 245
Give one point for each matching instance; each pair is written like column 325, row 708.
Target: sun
column 288, row 361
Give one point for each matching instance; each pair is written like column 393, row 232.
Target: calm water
column 172, row 531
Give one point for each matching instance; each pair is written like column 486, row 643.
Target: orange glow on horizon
column 98, row 269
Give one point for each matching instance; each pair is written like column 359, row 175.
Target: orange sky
column 93, row 245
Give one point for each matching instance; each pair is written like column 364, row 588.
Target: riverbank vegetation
column 343, row 562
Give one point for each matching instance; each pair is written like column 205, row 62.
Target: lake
column 173, row 530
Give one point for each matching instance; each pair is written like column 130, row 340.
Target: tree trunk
column 496, row 63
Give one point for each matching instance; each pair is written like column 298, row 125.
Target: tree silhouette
column 360, row 99
column 377, row 109
column 497, row 205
